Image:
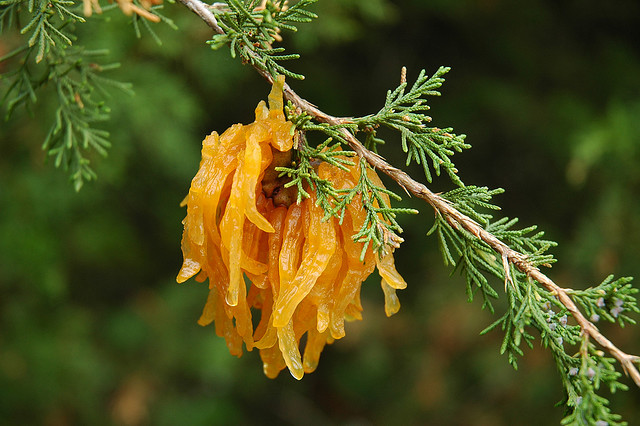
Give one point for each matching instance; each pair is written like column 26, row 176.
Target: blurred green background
column 94, row 329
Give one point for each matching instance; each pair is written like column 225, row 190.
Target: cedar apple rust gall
column 268, row 257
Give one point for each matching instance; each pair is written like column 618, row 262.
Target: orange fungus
column 278, row 270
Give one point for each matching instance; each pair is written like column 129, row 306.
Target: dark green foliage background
column 94, row 329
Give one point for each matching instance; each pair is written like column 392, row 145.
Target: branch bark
column 444, row 208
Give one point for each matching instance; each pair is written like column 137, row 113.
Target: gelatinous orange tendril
column 127, row 7
column 269, row 256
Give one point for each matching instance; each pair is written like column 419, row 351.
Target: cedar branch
column 442, row 207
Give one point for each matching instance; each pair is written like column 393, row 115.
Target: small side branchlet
column 250, row 29
column 404, row 111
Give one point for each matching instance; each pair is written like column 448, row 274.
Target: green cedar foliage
column 48, row 58
column 250, row 31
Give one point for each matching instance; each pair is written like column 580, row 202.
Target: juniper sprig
column 404, row 111
column 48, row 60
column 250, row 30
